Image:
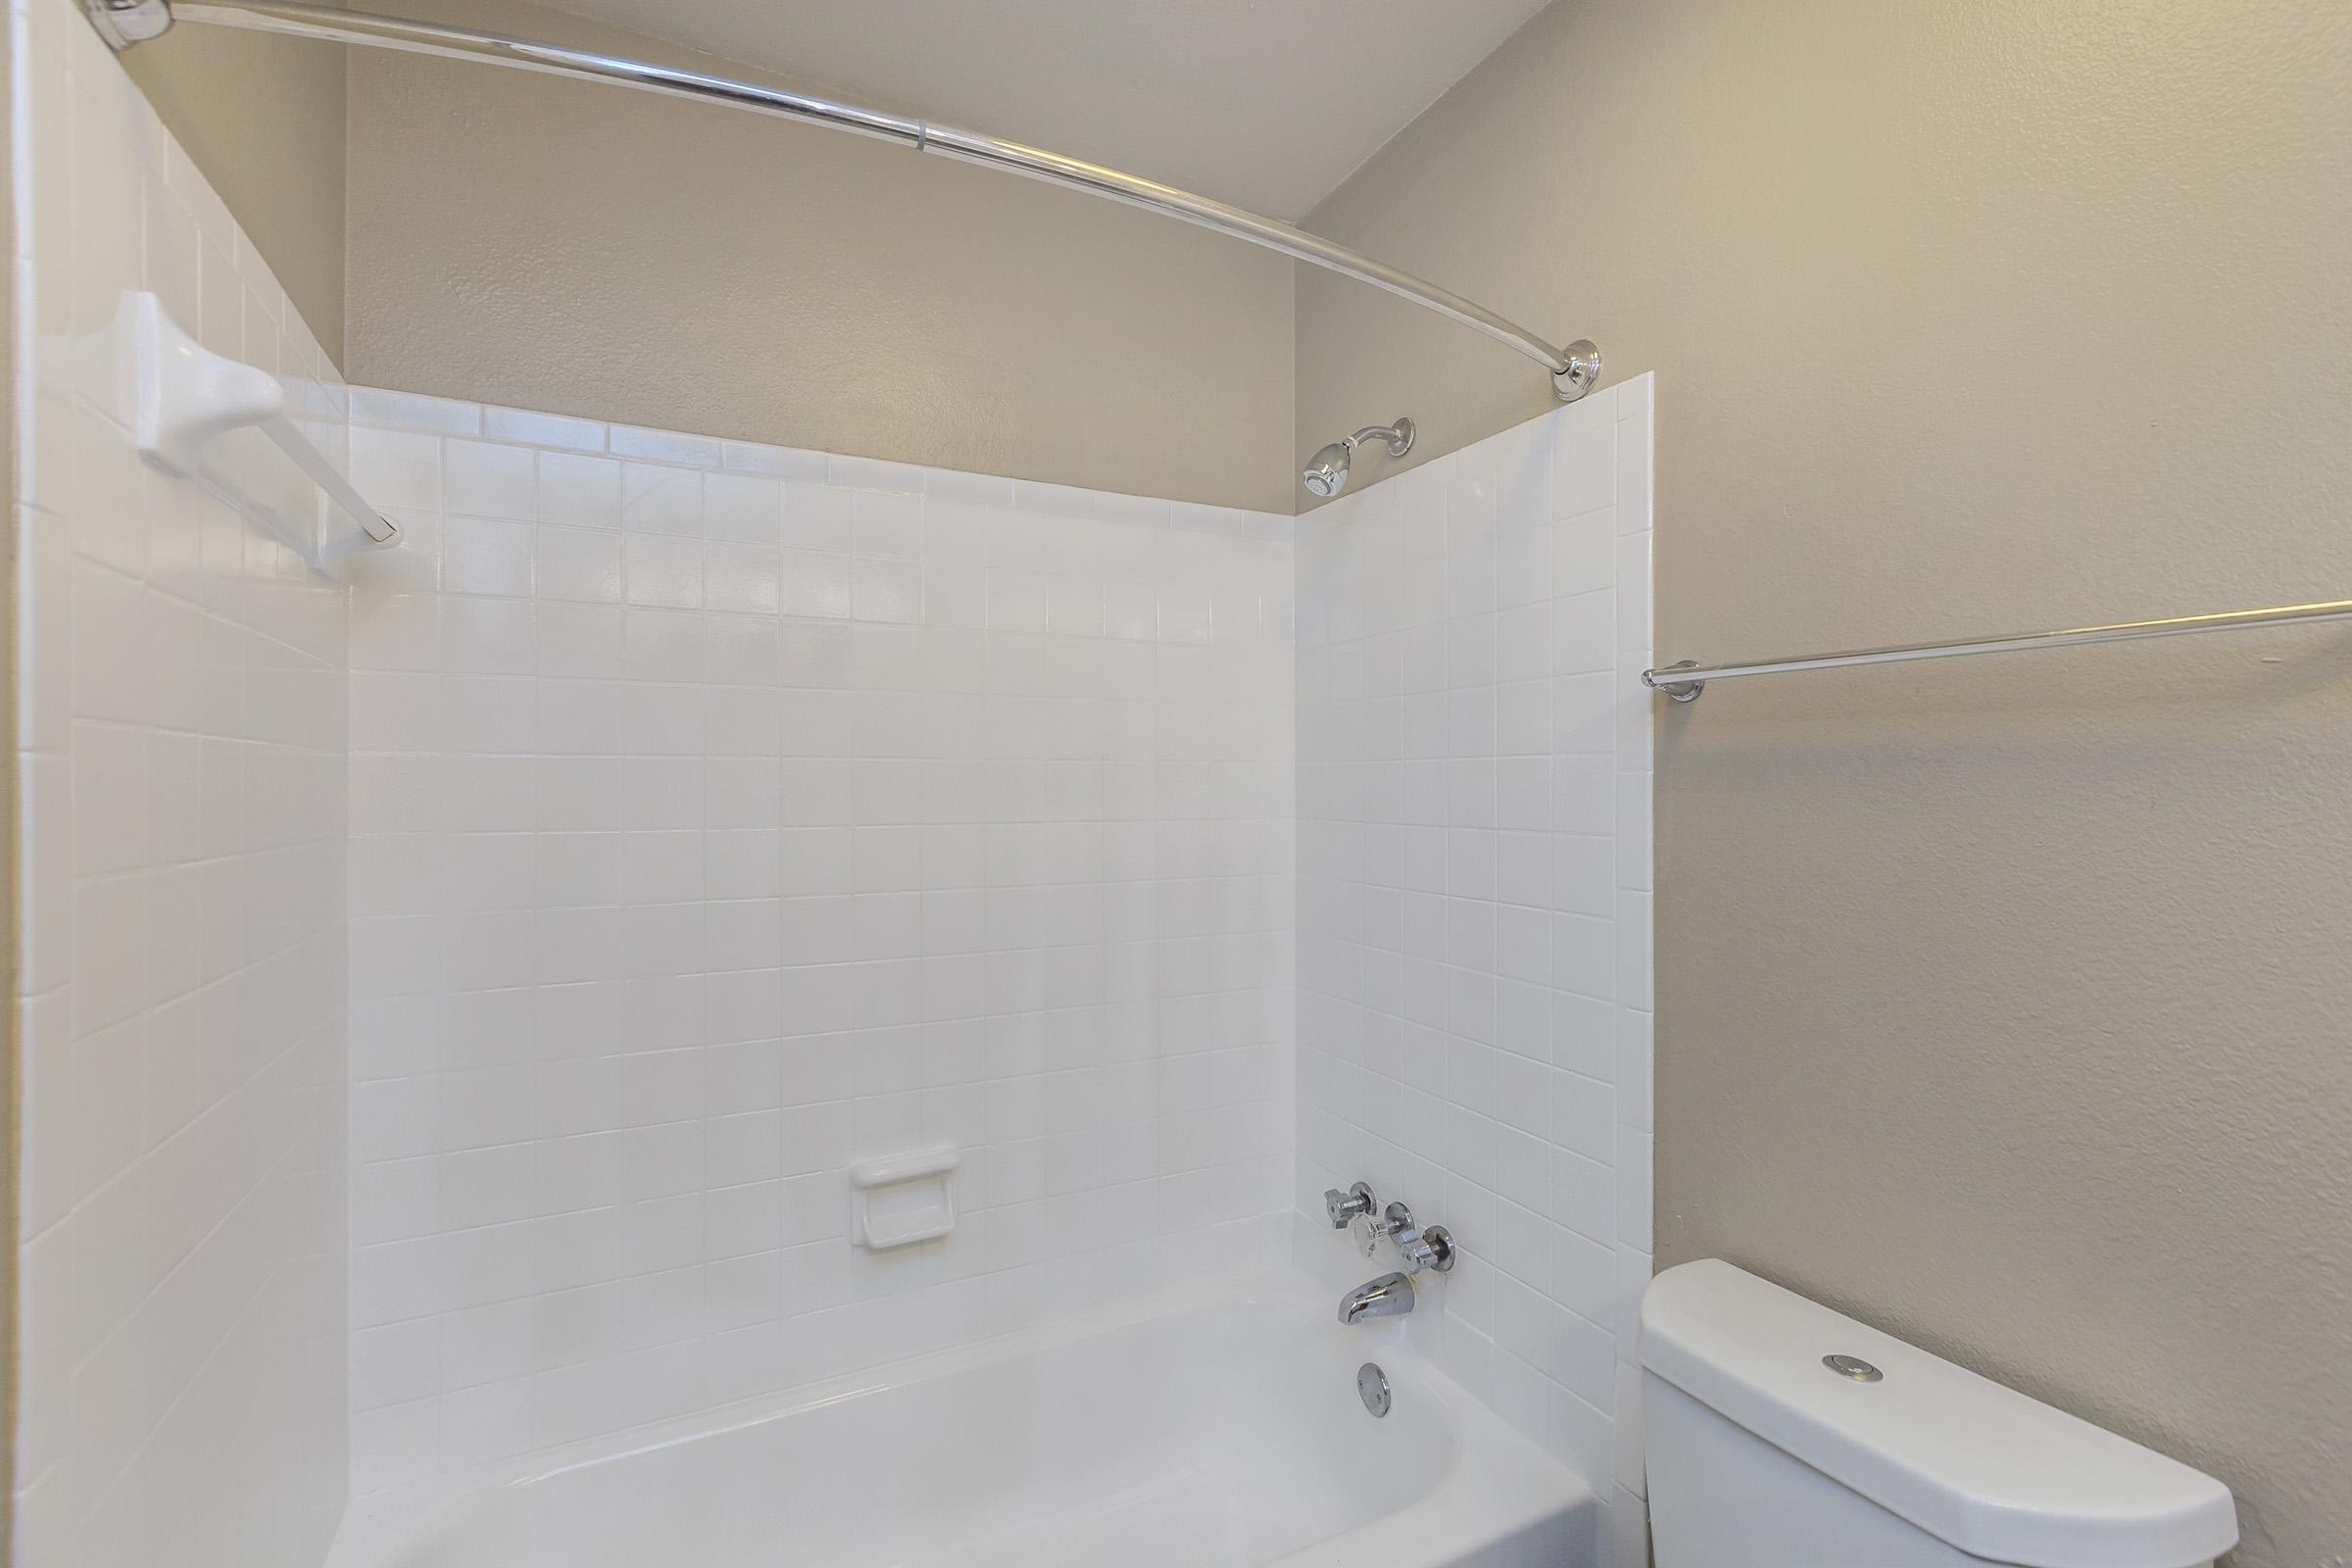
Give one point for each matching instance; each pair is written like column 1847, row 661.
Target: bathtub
column 1224, row 1432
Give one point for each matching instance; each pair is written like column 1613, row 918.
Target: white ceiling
column 1268, row 104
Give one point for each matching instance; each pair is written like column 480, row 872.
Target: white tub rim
column 1512, row 1485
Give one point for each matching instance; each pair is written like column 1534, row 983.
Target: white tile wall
column 1474, row 855
column 181, row 689
column 722, row 814
column 717, row 814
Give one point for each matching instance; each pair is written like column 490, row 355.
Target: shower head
column 1326, row 472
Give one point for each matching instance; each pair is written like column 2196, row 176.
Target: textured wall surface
column 2003, row 1002
column 180, row 703
column 264, row 118
column 1474, row 915
column 565, row 246
column 724, row 814
column 614, row 256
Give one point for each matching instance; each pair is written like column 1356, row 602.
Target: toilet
column 1779, row 1434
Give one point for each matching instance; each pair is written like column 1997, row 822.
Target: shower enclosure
column 700, row 963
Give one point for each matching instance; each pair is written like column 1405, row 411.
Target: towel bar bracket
column 1682, row 691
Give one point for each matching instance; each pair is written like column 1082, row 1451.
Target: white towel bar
column 183, row 395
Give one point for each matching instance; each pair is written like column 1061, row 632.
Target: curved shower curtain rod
column 1574, row 368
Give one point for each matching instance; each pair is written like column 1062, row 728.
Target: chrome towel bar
column 1684, row 681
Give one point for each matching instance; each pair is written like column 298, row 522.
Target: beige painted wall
column 562, row 246
column 2004, row 1002
column 264, row 118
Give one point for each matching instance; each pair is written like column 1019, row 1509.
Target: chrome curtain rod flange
column 1684, row 681
column 124, row 22
column 1583, row 372
column 1575, row 370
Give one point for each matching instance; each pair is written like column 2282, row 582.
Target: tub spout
column 1390, row 1295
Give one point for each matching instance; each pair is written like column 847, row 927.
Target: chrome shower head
column 1326, row 473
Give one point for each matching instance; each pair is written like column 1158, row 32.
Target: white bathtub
column 1226, row 1434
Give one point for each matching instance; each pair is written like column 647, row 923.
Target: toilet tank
column 1761, row 1454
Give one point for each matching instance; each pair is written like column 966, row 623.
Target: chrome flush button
column 1852, row 1366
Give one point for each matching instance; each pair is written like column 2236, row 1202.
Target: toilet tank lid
column 1978, row 1465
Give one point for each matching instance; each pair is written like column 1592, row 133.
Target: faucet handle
column 1427, row 1249
column 1341, row 1207
column 1391, row 1224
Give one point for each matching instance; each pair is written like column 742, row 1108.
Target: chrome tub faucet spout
column 1390, row 1295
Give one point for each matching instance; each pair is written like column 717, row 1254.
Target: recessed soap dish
column 899, row 1199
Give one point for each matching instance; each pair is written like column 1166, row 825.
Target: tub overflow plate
column 1372, row 1386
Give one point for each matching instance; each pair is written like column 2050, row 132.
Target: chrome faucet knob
column 1431, row 1248
column 1344, row 1207
column 1369, row 1230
